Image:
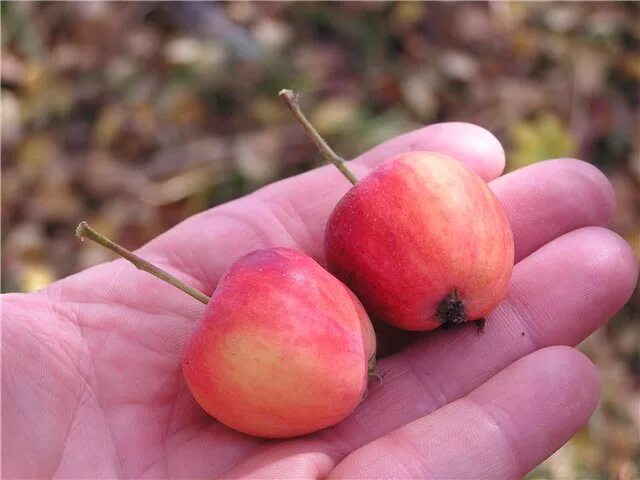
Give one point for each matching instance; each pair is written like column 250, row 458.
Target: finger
column 559, row 295
column 293, row 212
column 551, row 198
column 501, row 430
column 469, row 143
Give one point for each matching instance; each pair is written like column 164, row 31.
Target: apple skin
column 283, row 347
column 419, row 238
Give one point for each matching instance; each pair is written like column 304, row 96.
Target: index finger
column 294, row 212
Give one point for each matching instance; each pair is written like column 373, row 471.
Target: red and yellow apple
column 284, row 348
column 422, row 241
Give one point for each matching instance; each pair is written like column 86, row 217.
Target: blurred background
column 136, row 115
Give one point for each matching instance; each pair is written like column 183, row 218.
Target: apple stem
column 290, row 98
column 85, row 231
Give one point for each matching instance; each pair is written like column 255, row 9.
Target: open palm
column 92, row 385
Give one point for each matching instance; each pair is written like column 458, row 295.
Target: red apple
column 422, row 241
column 283, row 348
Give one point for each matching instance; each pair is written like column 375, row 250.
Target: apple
column 283, row 349
column 422, row 241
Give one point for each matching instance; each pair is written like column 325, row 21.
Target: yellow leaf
column 110, row 123
column 539, row 139
column 334, row 115
column 408, row 13
column 35, row 277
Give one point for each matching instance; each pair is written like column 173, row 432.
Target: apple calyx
column 371, row 368
column 450, row 311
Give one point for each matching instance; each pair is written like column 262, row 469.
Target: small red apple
column 283, row 348
column 422, row 241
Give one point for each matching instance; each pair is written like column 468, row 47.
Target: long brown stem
column 85, row 231
column 290, row 99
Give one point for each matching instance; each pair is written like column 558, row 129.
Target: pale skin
column 91, row 379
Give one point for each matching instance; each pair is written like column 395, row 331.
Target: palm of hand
column 92, row 382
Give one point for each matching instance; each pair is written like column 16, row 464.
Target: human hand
column 92, row 385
